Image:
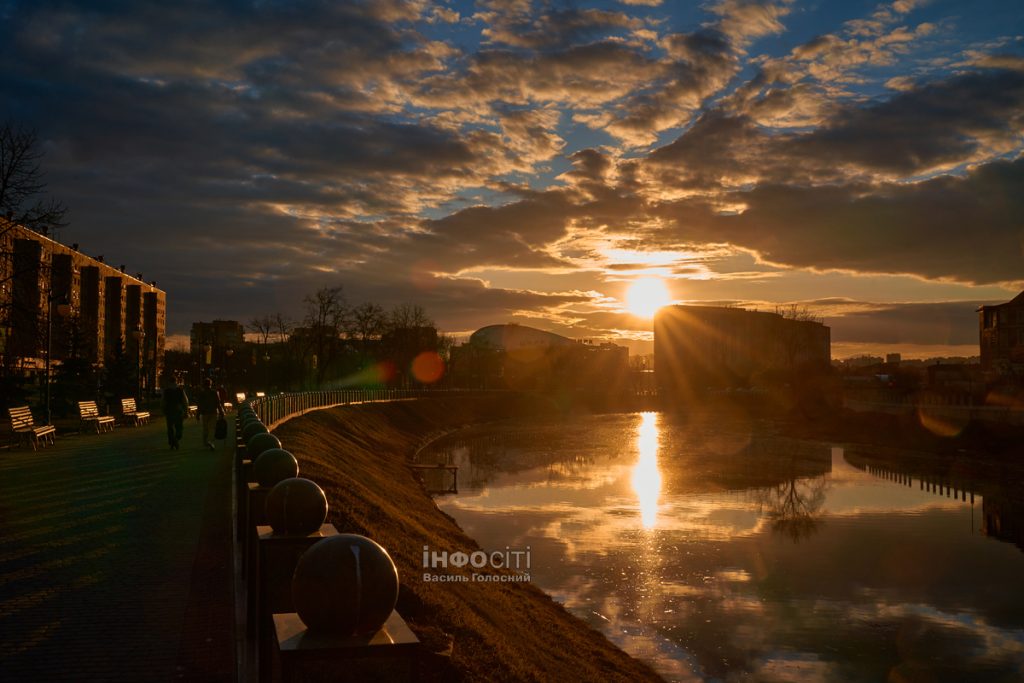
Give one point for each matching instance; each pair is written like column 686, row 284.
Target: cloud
column 554, row 28
column 743, row 20
column 402, row 143
column 966, row 228
column 931, row 127
column 946, row 323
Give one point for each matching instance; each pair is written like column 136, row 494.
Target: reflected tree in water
column 794, row 507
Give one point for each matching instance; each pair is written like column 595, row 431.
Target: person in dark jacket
column 175, row 410
column 210, row 408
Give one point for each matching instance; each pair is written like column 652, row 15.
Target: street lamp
column 139, row 336
column 207, row 361
column 266, row 370
column 228, row 353
column 63, row 309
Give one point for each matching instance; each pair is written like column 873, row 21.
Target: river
column 718, row 550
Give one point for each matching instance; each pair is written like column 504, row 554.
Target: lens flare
column 428, row 367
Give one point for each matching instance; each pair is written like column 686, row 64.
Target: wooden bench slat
column 89, row 412
column 131, row 412
column 23, row 424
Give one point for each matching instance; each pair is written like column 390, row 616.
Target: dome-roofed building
column 512, row 337
column 528, row 359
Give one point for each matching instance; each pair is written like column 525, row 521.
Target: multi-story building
column 92, row 310
column 1001, row 336
column 697, row 348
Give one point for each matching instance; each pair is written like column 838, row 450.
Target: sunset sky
column 508, row 160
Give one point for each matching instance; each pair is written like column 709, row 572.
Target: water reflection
column 793, row 508
column 646, row 475
column 711, row 584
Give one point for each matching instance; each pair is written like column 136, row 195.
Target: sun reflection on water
column 646, row 475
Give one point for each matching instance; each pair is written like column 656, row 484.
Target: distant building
column 697, row 348
column 861, row 362
column 219, row 334
column 1001, row 336
column 95, row 310
column 893, row 358
column 525, row 358
column 214, row 345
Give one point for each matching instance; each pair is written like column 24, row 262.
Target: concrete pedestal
column 394, row 650
column 277, row 556
column 270, row 583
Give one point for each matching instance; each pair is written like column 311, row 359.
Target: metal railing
column 277, row 409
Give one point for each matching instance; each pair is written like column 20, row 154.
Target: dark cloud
column 963, row 119
column 944, row 323
column 552, row 28
column 969, row 228
column 937, row 125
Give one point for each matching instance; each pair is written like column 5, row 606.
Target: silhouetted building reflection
column 1003, row 518
column 1002, row 512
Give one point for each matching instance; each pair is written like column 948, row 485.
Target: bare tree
column 22, row 181
column 798, row 313
column 410, row 331
column 408, row 316
column 366, row 322
column 326, row 314
column 263, row 326
column 283, row 326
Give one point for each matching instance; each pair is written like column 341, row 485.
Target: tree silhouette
column 22, row 183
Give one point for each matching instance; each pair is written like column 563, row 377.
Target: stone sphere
column 296, row 507
column 246, row 421
column 259, row 443
column 252, row 429
column 345, row 584
column 274, row 465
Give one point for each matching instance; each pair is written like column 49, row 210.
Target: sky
column 515, row 161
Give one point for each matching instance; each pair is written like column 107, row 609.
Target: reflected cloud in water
column 778, row 560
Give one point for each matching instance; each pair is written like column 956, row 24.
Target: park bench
column 25, row 427
column 89, row 413
column 132, row 414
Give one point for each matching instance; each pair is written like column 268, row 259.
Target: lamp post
column 207, row 361
column 228, row 353
column 266, row 370
column 139, row 336
column 62, row 310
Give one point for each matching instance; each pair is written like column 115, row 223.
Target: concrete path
column 115, row 560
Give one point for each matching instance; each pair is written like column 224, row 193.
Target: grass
column 476, row 631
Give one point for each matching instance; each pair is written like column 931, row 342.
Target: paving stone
column 115, row 561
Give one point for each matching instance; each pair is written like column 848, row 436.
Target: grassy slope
column 512, row 632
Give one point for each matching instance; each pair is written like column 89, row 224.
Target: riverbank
column 482, row 630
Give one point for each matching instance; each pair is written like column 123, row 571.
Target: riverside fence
column 279, row 408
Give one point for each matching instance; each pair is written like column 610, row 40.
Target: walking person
column 175, row 409
column 210, row 408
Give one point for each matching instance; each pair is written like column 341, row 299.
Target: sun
column 644, row 297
